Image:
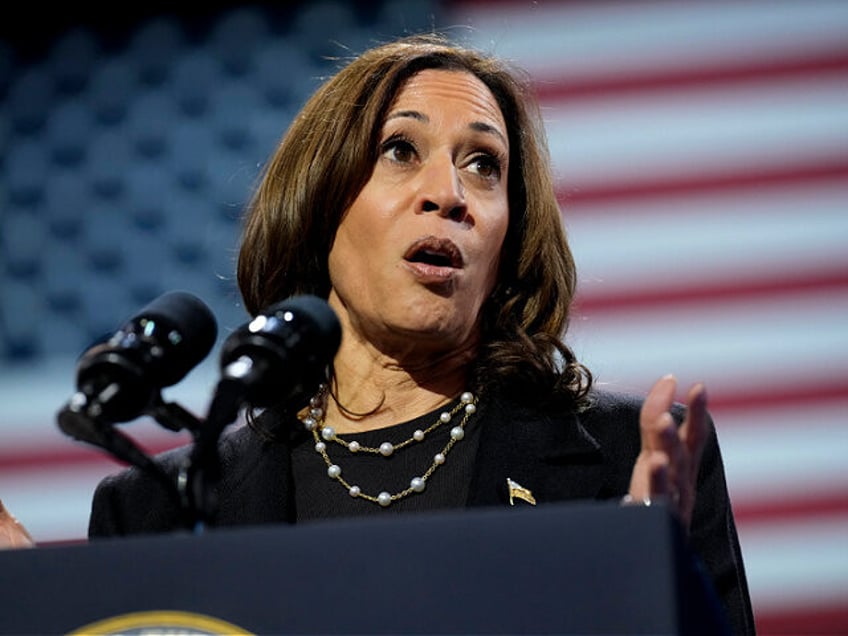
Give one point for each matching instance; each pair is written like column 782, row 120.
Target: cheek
column 358, row 247
column 369, row 216
column 344, row 257
column 489, row 259
column 347, row 243
column 494, row 246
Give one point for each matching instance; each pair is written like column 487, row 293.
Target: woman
column 414, row 193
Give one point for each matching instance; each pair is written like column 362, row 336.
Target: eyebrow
column 479, row 126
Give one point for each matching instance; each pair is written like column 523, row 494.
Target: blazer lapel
column 550, row 455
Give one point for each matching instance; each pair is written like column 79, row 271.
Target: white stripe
column 689, row 133
column 790, row 565
column 54, row 505
column 731, row 345
column 705, row 239
column 774, row 456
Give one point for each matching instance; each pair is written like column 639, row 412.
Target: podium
column 587, row 568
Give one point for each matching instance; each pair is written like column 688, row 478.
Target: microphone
column 121, row 378
column 277, row 359
column 281, row 356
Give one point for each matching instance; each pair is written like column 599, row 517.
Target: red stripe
column 575, row 198
column 804, row 620
column 614, row 85
column 755, row 512
column 72, row 455
column 834, row 281
column 811, row 391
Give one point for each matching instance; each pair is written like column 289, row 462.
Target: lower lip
column 427, row 273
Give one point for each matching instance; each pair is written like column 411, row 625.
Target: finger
column 684, row 449
column 653, row 420
column 672, row 446
column 679, row 491
column 663, row 486
column 659, row 477
column 649, row 479
column 657, row 403
column 693, row 431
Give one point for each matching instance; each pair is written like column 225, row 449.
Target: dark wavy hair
column 327, row 156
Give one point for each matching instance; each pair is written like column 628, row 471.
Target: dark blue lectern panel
column 582, row 568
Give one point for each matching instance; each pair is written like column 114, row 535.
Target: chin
column 451, row 330
column 430, row 316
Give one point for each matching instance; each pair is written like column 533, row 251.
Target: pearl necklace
column 313, row 421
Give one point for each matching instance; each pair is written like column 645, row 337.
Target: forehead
column 459, row 92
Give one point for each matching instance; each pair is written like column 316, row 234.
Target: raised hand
column 668, row 463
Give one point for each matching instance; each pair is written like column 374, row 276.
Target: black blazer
column 560, row 455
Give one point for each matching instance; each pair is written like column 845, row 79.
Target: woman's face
column 417, row 253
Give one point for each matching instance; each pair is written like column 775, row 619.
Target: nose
column 442, row 191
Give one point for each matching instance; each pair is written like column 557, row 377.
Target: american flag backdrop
column 701, row 157
column 701, row 154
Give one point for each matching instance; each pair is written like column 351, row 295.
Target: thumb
column 12, row 532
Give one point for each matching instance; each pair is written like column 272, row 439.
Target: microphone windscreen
column 153, row 349
column 185, row 325
column 318, row 319
column 289, row 345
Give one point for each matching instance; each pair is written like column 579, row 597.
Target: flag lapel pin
column 517, row 491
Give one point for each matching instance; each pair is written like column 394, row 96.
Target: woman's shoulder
column 606, row 400
column 601, row 404
column 605, row 415
column 606, row 403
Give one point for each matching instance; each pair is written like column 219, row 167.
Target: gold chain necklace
column 313, row 421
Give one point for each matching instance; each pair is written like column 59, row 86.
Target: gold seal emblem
column 160, row 623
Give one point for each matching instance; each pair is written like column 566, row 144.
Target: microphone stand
column 86, row 418
column 199, row 476
column 79, row 420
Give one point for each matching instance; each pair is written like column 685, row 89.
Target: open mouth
column 435, row 252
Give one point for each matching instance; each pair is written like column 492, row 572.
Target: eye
column 398, row 150
column 486, row 166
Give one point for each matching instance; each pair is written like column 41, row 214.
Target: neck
column 371, row 390
column 383, row 376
